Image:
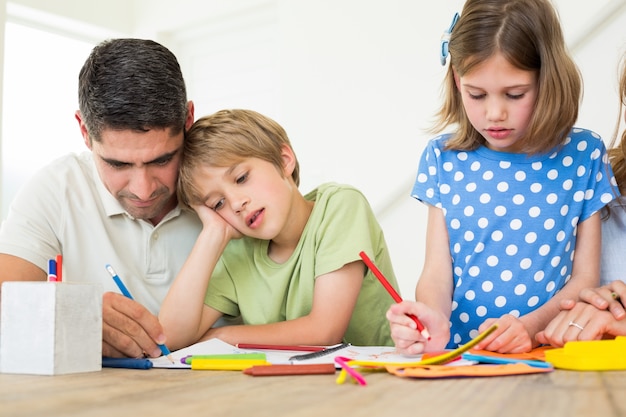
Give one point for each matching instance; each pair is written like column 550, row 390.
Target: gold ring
column 615, row 295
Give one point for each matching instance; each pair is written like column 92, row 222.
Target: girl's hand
column 511, row 336
column 215, row 223
column 407, row 338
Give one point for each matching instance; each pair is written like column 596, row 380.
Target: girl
column 514, row 193
column 294, row 276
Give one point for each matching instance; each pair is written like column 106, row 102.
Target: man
column 116, row 204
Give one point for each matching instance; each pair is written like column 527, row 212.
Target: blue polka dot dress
column 511, row 220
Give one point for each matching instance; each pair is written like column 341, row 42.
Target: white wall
column 358, row 82
column 354, row 82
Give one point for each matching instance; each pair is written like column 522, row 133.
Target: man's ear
column 190, row 115
column 83, row 129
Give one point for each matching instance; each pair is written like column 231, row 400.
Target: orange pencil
column 394, row 294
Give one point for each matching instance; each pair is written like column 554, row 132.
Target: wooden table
column 176, row 393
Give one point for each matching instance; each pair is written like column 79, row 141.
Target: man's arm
column 128, row 328
column 13, row 268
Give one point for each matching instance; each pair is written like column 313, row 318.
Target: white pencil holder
column 49, row 328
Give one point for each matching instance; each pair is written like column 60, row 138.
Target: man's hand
column 128, row 328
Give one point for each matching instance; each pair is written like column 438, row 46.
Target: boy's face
column 253, row 195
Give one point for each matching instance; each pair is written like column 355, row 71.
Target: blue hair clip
column 445, row 39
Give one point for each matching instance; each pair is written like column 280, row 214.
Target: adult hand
column 407, row 338
column 609, row 297
column 511, row 336
column 128, row 328
column 582, row 322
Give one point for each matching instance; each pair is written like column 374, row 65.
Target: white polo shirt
column 66, row 209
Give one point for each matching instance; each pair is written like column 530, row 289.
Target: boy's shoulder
column 333, row 190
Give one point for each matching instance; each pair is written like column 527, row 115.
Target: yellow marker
column 590, row 355
column 226, row 364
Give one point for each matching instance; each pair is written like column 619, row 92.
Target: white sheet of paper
column 218, row 347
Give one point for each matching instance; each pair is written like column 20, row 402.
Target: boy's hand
column 215, row 223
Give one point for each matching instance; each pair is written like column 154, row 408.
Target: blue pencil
column 129, row 363
column 126, row 293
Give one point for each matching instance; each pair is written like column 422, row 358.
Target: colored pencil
column 166, row 352
column 226, row 364
column 276, row 370
column 52, row 270
column 129, row 363
column 237, row 356
column 394, row 294
column 279, row 347
column 59, row 262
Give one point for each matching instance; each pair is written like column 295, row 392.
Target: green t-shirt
column 247, row 283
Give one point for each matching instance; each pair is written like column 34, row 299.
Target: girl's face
column 499, row 100
column 253, row 196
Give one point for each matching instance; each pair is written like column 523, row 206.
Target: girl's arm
column 435, row 284
column 585, row 273
column 433, row 294
column 334, row 297
column 184, row 316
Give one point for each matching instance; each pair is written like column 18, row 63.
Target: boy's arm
column 334, row 297
column 184, row 316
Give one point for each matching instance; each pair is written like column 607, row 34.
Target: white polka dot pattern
column 512, row 221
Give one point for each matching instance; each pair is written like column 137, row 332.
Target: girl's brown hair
column 528, row 34
column 617, row 151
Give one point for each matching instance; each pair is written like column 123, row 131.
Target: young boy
column 288, row 265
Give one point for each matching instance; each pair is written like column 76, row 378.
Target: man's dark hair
column 131, row 84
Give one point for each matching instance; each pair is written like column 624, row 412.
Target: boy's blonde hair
column 528, row 34
column 226, row 138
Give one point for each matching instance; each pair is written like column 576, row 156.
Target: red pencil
column 59, row 261
column 394, row 294
column 279, row 347
column 308, row 369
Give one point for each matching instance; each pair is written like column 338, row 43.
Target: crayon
column 277, row 370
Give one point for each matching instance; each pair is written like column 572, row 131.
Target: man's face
column 140, row 169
